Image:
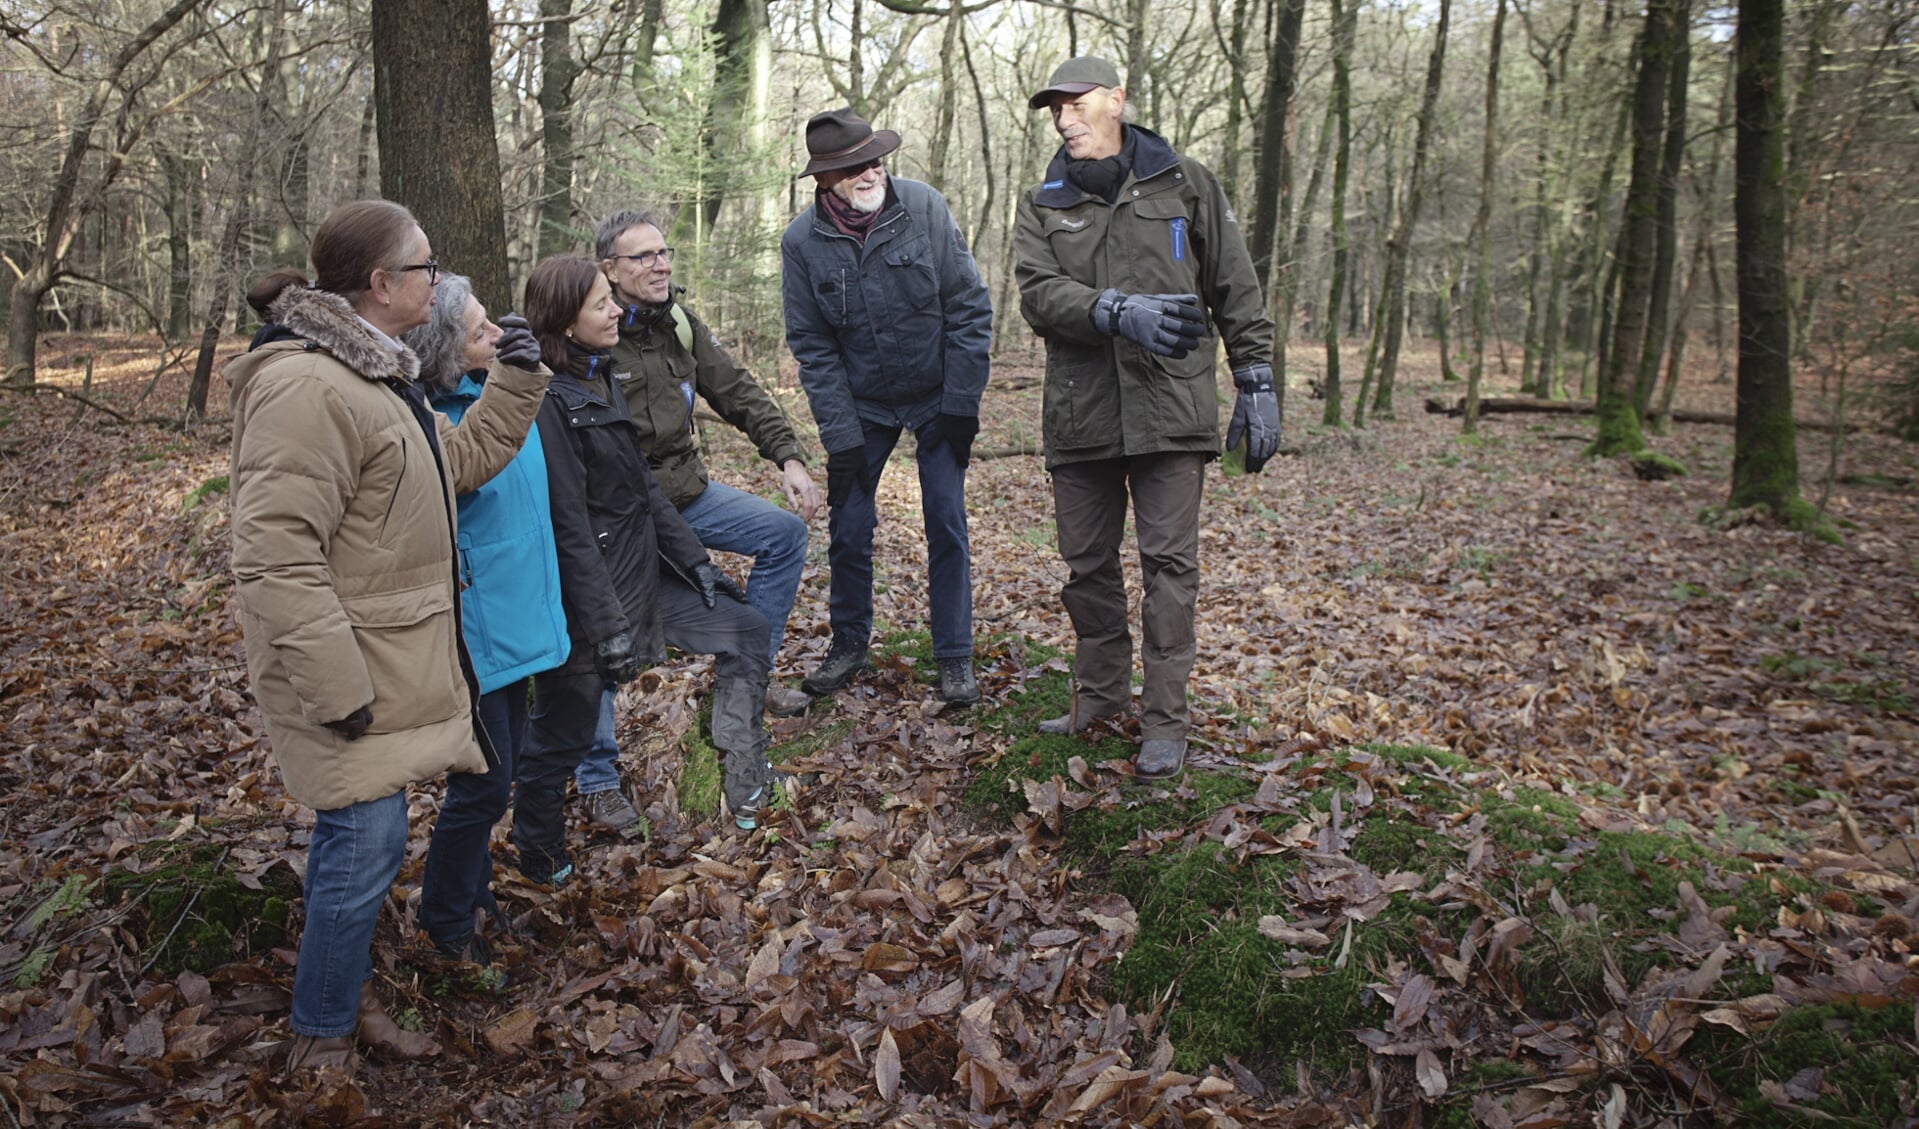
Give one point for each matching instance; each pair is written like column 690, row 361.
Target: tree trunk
column 740, row 30
column 1481, row 237
column 433, row 77
column 1618, row 431
column 1390, row 325
column 1274, row 171
column 227, row 278
column 948, row 112
column 1666, row 249
column 1345, row 17
column 1765, row 459
column 177, row 172
column 558, row 72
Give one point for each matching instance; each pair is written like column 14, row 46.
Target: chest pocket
column 836, row 289
column 911, row 275
column 1076, row 236
column 1163, row 247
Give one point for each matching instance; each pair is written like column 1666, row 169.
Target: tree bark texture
column 1618, row 431
column 1274, row 171
column 558, row 71
column 433, row 96
column 1765, row 459
column 1666, row 244
column 1345, row 17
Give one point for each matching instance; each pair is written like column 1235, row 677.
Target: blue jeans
column 949, row 588
column 734, row 521
column 599, row 771
column 352, row 860
column 458, row 862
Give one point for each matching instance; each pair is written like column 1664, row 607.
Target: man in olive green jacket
column 1123, row 251
column 665, row 362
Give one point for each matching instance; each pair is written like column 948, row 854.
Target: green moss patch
column 192, row 912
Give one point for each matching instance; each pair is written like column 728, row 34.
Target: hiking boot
column 844, row 659
column 613, row 811
column 1079, row 718
column 784, row 701
column 957, row 684
column 749, row 784
column 1160, row 756
column 321, row 1053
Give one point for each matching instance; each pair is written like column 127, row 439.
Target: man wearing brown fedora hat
column 1123, row 251
column 890, row 324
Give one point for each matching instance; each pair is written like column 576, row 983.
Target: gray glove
column 1255, row 415
column 1168, row 324
column 518, row 347
column 708, row 578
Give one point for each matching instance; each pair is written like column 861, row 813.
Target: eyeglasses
column 646, row 259
column 858, row 169
column 431, row 267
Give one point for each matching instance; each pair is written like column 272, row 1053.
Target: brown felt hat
column 841, row 139
column 1076, row 76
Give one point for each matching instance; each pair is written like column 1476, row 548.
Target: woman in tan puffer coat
column 343, row 482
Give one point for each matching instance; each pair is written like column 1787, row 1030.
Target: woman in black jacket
column 633, row 576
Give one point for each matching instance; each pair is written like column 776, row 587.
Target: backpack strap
column 683, row 328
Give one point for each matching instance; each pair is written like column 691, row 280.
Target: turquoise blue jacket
column 512, row 617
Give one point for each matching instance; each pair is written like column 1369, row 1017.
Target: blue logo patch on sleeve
column 1179, row 239
column 686, row 390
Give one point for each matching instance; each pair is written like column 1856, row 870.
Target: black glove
column 518, row 347
column 1255, row 415
column 354, row 725
column 708, row 578
column 844, row 470
column 1168, row 324
column 616, row 660
column 960, row 432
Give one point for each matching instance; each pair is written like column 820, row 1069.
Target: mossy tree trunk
column 1765, row 461
column 1666, row 243
column 1618, row 431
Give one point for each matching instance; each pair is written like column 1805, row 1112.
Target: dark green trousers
column 1089, row 509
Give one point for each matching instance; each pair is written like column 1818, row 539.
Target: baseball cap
column 1076, row 76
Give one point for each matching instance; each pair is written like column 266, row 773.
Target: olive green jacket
column 661, row 379
column 1171, row 231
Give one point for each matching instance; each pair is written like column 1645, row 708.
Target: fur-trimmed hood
column 322, row 320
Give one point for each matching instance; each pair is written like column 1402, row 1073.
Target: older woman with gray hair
column 511, row 619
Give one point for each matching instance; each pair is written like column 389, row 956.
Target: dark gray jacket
column 893, row 332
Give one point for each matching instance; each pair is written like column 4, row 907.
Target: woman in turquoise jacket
column 511, row 619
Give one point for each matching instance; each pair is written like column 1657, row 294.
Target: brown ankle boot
column 377, row 1029
column 312, row 1052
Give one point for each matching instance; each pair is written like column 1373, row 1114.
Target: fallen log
column 1527, row 405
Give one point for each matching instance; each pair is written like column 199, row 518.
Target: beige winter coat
column 343, row 550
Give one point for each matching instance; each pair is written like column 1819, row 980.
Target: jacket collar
column 325, row 319
column 1151, row 157
column 637, row 320
column 572, row 392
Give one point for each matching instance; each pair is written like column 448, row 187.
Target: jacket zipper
column 394, row 498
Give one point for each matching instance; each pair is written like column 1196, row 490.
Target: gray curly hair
column 440, row 343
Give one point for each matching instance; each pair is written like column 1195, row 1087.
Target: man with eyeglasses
column 889, row 321
column 665, row 362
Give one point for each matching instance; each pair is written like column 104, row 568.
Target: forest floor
column 1520, row 795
